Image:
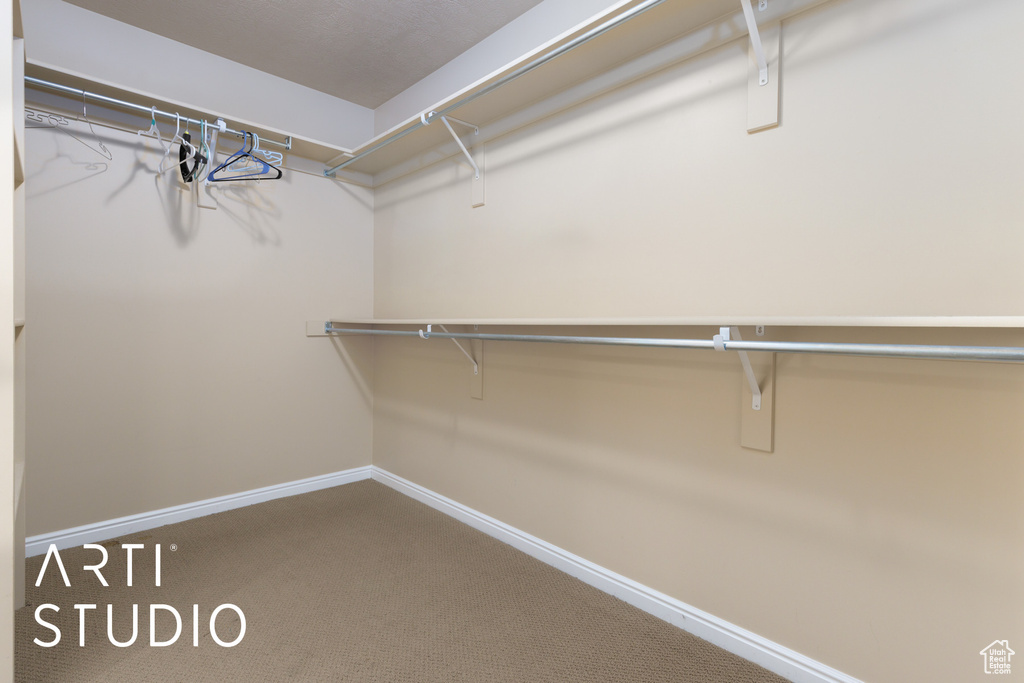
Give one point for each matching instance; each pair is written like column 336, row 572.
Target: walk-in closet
column 521, row 340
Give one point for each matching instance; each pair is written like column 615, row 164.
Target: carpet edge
column 735, row 639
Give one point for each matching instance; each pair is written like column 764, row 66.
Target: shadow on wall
column 252, row 210
column 354, row 192
column 72, row 154
column 673, row 448
column 357, row 371
column 86, row 163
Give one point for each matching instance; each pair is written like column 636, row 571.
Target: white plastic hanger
column 153, row 131
column 204, row 152
column 273, row 157
column 176, row 139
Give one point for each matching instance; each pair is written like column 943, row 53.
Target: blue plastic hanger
column 263, row 166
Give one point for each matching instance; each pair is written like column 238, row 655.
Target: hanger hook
column 85, row 115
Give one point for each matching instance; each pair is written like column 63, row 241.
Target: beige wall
column 891, row 188
column 888, row 520
column 168, row 361
column 884, row 536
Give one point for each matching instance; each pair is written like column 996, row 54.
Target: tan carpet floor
column 354, row 583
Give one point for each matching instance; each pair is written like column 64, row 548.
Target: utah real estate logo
column 997, row 657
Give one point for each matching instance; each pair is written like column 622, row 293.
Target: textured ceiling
column 364, row 51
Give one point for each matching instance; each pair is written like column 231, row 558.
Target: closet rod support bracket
column 476, row 387
column 467, row 124
column 721, row 340
column 426, row 118
column 755, row 41
column 458, row 141
column 476, row 366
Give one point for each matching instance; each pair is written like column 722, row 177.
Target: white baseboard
column 739, row 641
column 102, row 531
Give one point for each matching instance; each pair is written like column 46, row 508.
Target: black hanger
column 264, row 167
column 189, row 174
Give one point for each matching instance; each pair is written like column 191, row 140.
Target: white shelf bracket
column 755, row 42
column 733, row 333
column 476, row 366
column 477, row 164
column 765, row 57
column 467, row 124
column 427, row 118
column 476, row 358
column 757, row 408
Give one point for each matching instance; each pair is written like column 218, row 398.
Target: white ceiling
column 363, row 51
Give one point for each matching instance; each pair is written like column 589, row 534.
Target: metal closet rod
column 287, row 144
column 526, row 68
column 933, row 352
